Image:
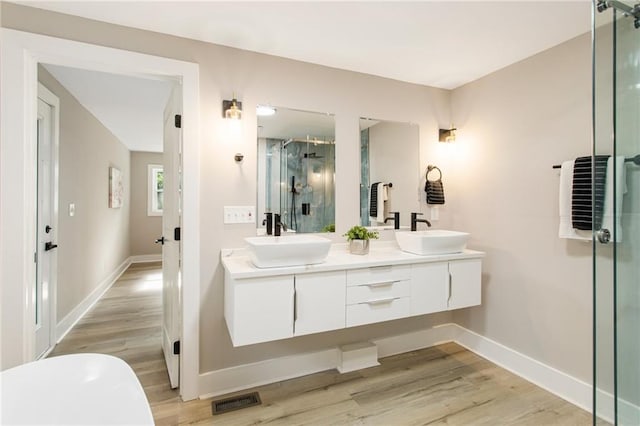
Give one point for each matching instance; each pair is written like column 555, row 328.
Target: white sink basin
column 432, row 242
column 289, row 250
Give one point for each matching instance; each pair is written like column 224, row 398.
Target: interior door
column 45, row 255
column 171, row 227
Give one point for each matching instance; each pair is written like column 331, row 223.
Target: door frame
column 20, row 54
column 54, row 102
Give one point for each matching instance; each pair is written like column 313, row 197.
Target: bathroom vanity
column 265, row 304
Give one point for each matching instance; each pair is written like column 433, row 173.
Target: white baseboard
column 145, row 258
column 66, row 324
column 555, row 381
column 567, row 387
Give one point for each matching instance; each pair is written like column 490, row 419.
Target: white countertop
column 237, row 263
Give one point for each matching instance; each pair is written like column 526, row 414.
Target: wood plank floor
column 441, row 385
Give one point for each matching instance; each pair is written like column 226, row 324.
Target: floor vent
column 235, row 403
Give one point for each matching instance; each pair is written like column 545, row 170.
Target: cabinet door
column 263, row 310
column 319, row 302
column 429, row 288
column 465, row 288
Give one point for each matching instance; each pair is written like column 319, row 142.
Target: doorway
column 20, row 55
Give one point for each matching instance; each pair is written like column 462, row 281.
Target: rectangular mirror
column 390, row 157
column 296, row 169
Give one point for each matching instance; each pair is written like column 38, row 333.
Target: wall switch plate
column 72, row 209
column 239, row 214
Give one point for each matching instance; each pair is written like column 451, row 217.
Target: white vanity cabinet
column 319, row 303
column 465, row 284
column 259, row 309
column 429, row 288
column 272, row 304
column 378, row 294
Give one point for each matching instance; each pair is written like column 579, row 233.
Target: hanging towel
column 566, row 229
column 377, row 197
column 434, row 188
column 615, row 188
column 587, row 207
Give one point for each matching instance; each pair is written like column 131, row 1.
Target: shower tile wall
column 364, row 177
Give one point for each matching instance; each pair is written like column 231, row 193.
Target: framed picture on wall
column 116, row 189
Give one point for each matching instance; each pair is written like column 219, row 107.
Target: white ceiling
column 130, row 107
column 436, row 43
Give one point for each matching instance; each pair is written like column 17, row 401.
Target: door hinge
column 178, row 121
column 176, row 234
column 176, row 347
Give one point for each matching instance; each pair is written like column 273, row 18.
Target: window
column 156, row 190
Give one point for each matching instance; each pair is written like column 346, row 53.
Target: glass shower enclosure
column 616, row 251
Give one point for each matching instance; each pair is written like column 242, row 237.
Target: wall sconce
column 232, row 109
column 447, row 135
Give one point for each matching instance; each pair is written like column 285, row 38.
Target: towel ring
column 431, row 168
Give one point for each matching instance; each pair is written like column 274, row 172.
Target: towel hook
column 431, row 168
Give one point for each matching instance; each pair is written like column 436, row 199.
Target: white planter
column 359, row 246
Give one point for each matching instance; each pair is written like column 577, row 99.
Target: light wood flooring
column 442, row 385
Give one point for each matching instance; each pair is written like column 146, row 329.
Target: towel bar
column 635, row 160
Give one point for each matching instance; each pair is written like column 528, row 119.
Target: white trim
column 20, row 54
column 66, row 324
column 549, row 378
column 146, row 258
column 569, row 388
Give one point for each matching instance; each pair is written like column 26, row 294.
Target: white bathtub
column 81, row 389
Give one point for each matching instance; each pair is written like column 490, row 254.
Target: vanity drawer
column 378, row 274
column 377, row 291
column 378, row 310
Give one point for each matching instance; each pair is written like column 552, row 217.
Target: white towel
column 383, row 196
column 608, row 218
column 566, row 229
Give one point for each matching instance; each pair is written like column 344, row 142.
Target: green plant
column 360, row 233
column 329, row 228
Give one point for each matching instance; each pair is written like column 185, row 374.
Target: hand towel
column 377, row 197
column 566, row 229
column 588, row 192
column 434, row 188
column 616, row 183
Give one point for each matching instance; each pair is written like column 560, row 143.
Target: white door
column 171, row 227
column 46, row 232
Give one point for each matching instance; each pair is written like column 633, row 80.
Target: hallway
column 126, row 323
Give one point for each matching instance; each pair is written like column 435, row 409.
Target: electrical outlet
column 239, row 214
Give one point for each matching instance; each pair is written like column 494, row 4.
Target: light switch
column 72, row 209
column 239, row 214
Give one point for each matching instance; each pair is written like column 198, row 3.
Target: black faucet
column 395, row 219
column 415, row 220
column 278, row 225
column 269, row 222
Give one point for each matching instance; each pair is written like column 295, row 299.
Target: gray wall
column 144, row 229
column 94, row 242
column 514, row 125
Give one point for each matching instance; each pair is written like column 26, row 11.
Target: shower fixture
column 623, row 8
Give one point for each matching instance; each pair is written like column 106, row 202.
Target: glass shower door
column 617, row 262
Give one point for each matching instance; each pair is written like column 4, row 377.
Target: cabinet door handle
column 295, row 305
column 382, row 284
column 380, row 302
column 449, row 290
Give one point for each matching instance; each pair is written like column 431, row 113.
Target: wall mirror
column 390, row 157
column 296, row 169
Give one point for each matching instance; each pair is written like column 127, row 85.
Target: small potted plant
column 358, row 237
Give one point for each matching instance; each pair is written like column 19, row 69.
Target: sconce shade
column 447, row 135
column 232, row 109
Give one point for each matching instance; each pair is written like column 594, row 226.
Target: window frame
column 152, row 190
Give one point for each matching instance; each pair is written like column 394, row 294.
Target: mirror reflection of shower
column 296, row 174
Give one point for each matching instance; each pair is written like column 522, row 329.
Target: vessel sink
column 290, row 250
column 432, row 242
